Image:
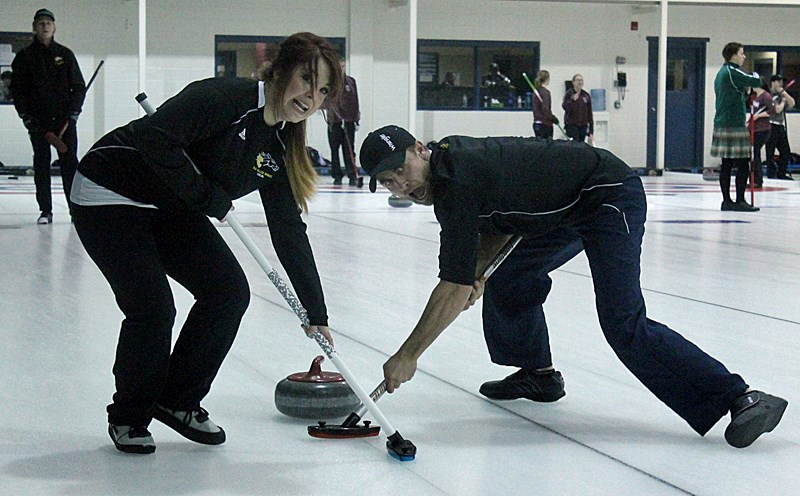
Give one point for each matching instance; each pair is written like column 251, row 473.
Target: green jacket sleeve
column 741, row 79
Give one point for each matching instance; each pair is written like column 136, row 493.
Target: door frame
column 700, row 45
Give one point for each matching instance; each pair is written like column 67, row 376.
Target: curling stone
column 399, row 202
column 315, row 394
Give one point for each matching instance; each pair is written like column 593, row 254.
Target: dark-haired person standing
column 543, row 118
column 763, row 108
column 731, row 138
column 342, row 122
column 48, row 91
column 778, row 138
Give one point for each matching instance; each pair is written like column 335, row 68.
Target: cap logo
column 388, row 141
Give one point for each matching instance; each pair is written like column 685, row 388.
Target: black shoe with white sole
column 194, row 425
column 45, row 218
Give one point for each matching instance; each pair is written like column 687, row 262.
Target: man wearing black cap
column 48, row 91
column 778, row 137
column 563, row 197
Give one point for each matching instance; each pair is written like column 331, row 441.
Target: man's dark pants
column 68, row 162
column 693, row 384
column 342, row 135
column 577, row 133
column 780, row 141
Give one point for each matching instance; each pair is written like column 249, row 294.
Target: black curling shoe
column 753, row 414
column 191, row 424
column 545, row 387
column 739, row 206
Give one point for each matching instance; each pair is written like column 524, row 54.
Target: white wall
column 180, row 49
column 574, row 37
column 586, row 38
column 747, row 25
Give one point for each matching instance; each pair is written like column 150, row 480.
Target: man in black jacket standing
column 48, row 91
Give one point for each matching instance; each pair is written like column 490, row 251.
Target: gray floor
column 726, row 281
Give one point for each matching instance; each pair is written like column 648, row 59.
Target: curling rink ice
column 728, row 281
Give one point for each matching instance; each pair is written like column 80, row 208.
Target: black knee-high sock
column 725, row 178
column 742, row 174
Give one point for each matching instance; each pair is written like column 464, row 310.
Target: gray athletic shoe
column 132, row 439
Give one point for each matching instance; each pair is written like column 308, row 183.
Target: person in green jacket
column 731, row 139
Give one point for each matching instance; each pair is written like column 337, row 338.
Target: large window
column 771, row 60
column 10, row 44
column 475, row 75
column 243, row 56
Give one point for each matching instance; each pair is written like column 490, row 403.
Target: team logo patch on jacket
column 265, row 161
column 59, row 60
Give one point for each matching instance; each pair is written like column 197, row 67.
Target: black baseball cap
column 384, row 149
column 777, row 77
column 43, row 13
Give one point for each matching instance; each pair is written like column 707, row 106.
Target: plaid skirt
column 730, row 142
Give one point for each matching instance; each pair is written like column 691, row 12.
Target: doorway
column 685, row 106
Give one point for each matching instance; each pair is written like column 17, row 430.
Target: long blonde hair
column 541, row 78
column 310, row 50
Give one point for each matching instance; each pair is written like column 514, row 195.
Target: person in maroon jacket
column 763, row 108
column 343, row 121
column 577, row 105
column 543, row 118
column 143, row 194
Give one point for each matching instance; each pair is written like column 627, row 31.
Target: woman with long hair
column 543, row 118
column 143, row 195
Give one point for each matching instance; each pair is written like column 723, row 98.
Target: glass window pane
column 502, row 83
column 765, row 63
column 790, row 69
column 450, row 76
column 677, row 75
column 10, row 44
column 771, row 60
column 446, row 76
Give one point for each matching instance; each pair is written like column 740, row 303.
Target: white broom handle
column 272, row 274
